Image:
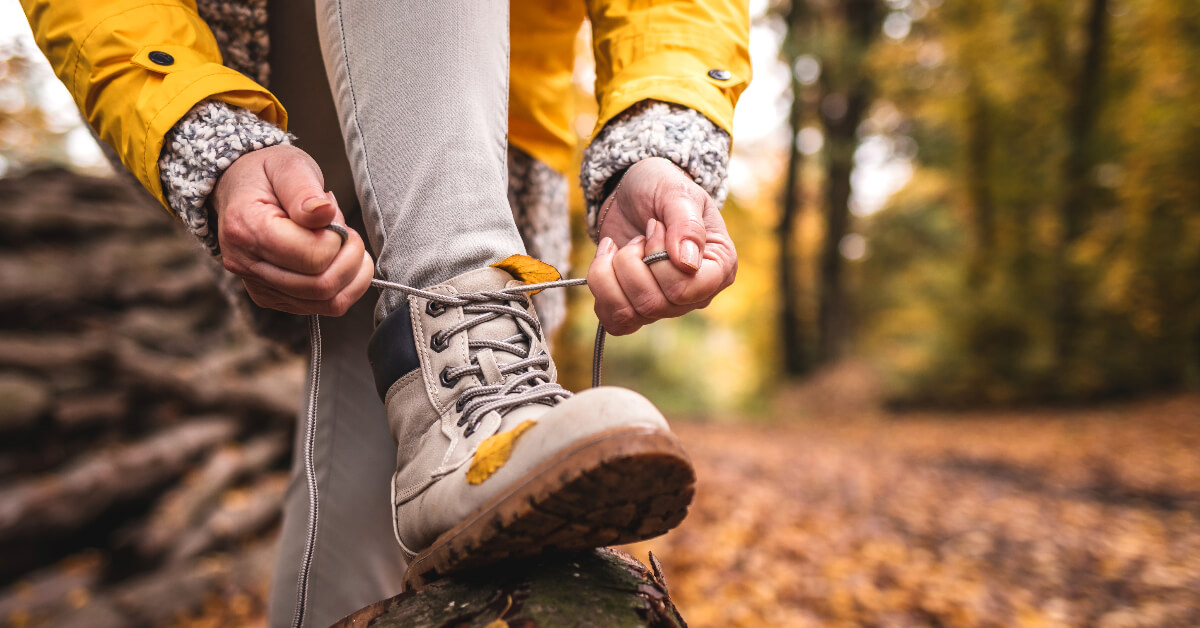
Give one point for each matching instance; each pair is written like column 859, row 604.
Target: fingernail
column 607, row 246
column 650, row 226
column 689, row 254
column 312, row 204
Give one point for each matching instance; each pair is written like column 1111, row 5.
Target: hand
column 657, row 207
column 272, row 210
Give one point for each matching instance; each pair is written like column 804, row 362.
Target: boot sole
column 618, row 486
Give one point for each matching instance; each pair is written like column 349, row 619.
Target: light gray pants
column 421, row 92
column 422, row 96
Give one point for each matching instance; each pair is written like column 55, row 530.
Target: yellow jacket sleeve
column 693, row 53
column 540, row 92
column 135, row 67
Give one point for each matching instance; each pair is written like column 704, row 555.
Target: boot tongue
column 486, row 280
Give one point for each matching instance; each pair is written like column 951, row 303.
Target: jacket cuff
column 654, row 129
column 201, row 146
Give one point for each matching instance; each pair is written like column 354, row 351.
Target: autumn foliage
column 1041, row 518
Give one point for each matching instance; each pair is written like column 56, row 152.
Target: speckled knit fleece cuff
column 198, row 149
column 655, row 129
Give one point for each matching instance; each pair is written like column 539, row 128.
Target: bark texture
column 599, row 588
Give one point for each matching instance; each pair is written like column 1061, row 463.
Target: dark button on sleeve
column 720, row 75
column 161, row 58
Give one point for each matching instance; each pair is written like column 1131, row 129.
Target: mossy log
column 599, row 588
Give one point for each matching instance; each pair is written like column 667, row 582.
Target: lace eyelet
column 445, row 380
column 435, row 309
column 458, row 405
column 437, row 343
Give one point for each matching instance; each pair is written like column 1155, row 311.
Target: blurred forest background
column 955, row 383
column 989, row 202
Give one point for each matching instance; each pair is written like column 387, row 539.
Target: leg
column 356, row 560
column 422, row 94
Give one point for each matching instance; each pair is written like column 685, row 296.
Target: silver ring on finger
column 340, row 230
column 655, row 257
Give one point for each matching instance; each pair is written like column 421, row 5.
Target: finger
column 300, row 187
column 341, row 272
column 362, row 282
column 283, row 243
column 692, row 289
column 682, row 212
column 639, row 283
column 717, row 272
column 656, row 241
column 656, row 237
column 612, row 308
column 268, row 297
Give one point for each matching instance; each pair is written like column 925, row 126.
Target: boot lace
column 531, row 384
column 526, row 380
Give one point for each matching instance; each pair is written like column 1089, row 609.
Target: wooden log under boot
column 602, row 587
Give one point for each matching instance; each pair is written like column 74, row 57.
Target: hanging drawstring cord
column 310, row 425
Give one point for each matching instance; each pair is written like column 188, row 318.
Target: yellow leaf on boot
column 528, row 269
column 493, row 452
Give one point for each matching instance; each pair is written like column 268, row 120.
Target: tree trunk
column 979, row 146
column 845, row 99
column 841, row 142
column 598, row 588
column 792, row 326
column 1074, row 211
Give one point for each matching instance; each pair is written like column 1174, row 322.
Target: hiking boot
column 496, row 460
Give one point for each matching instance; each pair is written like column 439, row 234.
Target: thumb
column 299, row 187
column 683, row 216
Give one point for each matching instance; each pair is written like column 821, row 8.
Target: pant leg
column 422, row 96
column 356, row 560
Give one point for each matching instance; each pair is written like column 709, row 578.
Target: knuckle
column 239, row 266
column 623, row 317
column 234, row 233
column 326, row 288
column 614, row 328
column 677, row 188
column 290, row 155
column 679, row 292
column 328, row 308
column 341, row 304
column 648, row 303
column 315, row 260
column 260, row 299
column 595, row 274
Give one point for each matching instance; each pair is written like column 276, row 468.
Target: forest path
column 1068, row 518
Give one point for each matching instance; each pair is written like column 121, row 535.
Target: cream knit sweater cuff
column 654, row 129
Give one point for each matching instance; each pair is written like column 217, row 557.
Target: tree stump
column 602, row 587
